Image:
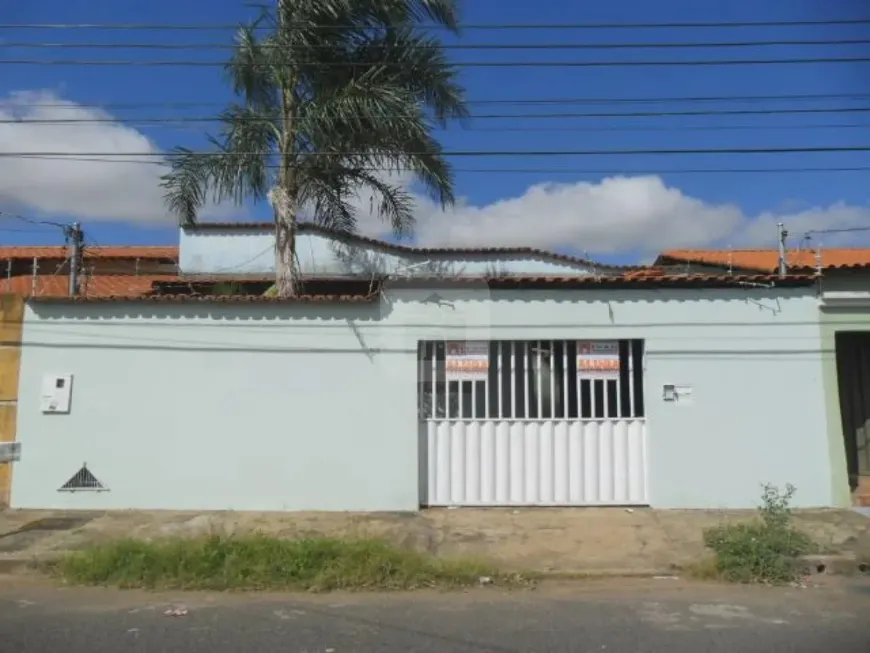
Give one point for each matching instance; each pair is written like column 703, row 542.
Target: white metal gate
column 515, row 424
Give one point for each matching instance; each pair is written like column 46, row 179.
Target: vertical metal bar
column 565, row 383
column 447, row 413
column 619, row 382
column 421, row 394
column 592, row 402
column 552, row 379
column 631, row 399
column 527, row 403
column 460, row 399
column 605, row 399
column 538, row 383
column 433, row 395
column 486, row 391
column 513, row 379
column 579, row 384
column 500, row 367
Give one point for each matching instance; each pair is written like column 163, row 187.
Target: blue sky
column 610, row 216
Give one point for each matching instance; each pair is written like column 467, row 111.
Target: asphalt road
column 614, row 617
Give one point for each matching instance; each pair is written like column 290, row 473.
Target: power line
column 460, row 64
column 471, row 26
column 836, row 231
column 464, row 46
column 644, row 129
column 690, row 128
column 514, row 116
column 14, row 216
column 483, row 153
column 184, row 104
column 525, row 170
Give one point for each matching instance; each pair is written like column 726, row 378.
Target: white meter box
column 56, row 393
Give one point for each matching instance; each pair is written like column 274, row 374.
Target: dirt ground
column 593, row 540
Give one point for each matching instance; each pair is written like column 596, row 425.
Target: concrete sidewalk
column 596, row 541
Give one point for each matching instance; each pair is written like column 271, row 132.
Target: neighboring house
column 123, row 270
column 247, row 250
column 844, row 316
column 823, row 260
column 404, row 378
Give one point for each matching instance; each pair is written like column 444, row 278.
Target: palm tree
column 335, row 95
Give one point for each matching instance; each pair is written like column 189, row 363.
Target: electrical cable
column 459, row 64
column 496, row 101
column 527, row 170
column 486, row 153
column 126, row 27
column 492, row 116
column 462, row 46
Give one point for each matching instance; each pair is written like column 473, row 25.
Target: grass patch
column 706, row 568
column 765, row 550
column 259, row 562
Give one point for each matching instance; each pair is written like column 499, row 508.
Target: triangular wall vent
column 83, row 480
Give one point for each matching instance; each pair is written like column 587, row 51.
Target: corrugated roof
column 767, row 260
column 118, row 252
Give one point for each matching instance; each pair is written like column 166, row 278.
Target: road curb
column 14, row 565
column 11, row 566
column 838, row 564
column 592, row 574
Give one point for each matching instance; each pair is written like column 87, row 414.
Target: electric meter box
column 56, row 393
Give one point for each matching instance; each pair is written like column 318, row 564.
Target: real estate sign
column 598, row 359
column 467, row 360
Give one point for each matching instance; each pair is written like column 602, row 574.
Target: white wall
column 197, row 406
column 234, row 251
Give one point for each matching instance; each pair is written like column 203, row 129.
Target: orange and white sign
column 598, row 359
column 466, row 361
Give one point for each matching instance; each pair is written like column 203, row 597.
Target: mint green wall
column 832, row 320
column 295, row 406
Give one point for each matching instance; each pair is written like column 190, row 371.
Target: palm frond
column 185, row 185
column 392, row 202
column 249, row 138
column 403, row 58
column 390, row 13
column 238, row 167
column 334, row 191
column 248, row 69
column 341, row 93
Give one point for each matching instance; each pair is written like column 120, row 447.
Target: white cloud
column 91, row 190
column 618, row 214
column 615, row 214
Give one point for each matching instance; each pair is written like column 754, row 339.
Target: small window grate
column 83, row 480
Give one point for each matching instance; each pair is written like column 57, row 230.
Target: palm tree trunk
column 285, row 199
column 285, row 243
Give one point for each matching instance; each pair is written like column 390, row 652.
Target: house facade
column 405, row 378
column 107, row 271
column 844, row 320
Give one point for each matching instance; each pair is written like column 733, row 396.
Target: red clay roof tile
column 767, row 260
column 91, row 286
column 120, row 252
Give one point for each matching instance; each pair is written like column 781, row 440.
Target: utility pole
column 782, row 234
column 75, row 237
